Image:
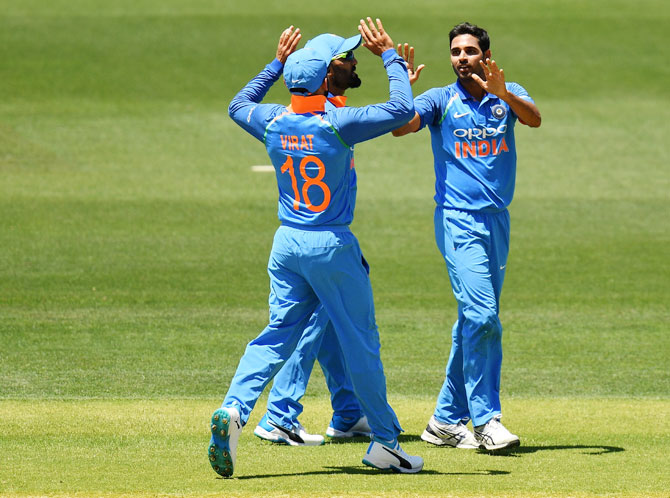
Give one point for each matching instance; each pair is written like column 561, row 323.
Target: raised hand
column 375, row 39
column 408, row 55
column 495, row 78
column 288, row 42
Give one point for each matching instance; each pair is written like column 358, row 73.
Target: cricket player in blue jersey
column 280, row 423
column 315, row 258
column 471, row 124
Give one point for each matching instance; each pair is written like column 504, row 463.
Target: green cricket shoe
column 226, row 429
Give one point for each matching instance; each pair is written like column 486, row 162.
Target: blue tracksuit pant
column 475, row 246
column 308, row 268
column 319, row 341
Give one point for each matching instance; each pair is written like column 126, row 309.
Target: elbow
column 231, row 108
column 533, row 122
column 235, row 105
column 537, row 121
column 536, row 118
column 409, row 111
column 405, row 114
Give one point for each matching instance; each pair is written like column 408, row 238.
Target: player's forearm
column 526, row 111
column 400, row 90
column 413, row 125
column 364, row 123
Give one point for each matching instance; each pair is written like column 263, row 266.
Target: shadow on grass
column 402, row 438
column 587, row 450
column 367, row 471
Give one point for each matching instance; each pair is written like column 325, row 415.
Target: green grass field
column 134, row 238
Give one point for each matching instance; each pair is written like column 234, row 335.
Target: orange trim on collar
column 338, row 100
column 305, row 105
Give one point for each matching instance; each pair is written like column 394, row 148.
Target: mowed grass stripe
column 584, row 447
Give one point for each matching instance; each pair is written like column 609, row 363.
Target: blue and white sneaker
column 493, row 436
column 388, row 455
column 297, row 436
column 454, row 435
column 226, row 429
column 341, row 427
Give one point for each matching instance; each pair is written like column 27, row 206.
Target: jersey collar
column 337, row 100
column 465, row 95
column 306, row 105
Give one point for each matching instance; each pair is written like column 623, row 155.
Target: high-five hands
column 288, row 42
column 495, row 78
column 408, row 55
column 375, row 39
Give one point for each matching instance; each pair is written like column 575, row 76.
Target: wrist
column 388, row 54
column 277, row 65
column 506, row 96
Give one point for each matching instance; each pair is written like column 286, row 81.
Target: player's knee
column 483, row 322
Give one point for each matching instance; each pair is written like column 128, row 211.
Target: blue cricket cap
column 333, row 44
column 305, row 70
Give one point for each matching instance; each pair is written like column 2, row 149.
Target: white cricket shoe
column 388, row 455
column 494, row 436
column 226, row 428
column 297, row 436
column 454, row 435
column 342, row 428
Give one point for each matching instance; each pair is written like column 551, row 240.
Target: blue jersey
column 473, row 147
column 311, row 142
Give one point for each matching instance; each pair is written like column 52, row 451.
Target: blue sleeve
column 245, row 108
column 358, row 124
column 519, row 91
column 429, row 106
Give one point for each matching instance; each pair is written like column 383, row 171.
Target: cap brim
column 350, row 43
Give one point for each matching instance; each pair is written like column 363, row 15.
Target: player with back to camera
column 280, row 423
column 471, row 124
column 315, row 258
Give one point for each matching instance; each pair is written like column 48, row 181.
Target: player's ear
column 323, row 89
column 487, row 54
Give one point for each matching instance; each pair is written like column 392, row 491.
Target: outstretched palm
column 495, row 78
column 408, row 55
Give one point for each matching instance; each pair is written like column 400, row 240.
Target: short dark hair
column 465, row 28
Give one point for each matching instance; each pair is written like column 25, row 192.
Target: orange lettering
column 483, row 148
column 503, row 146
column 458, row 149
column 316, row 181
column 469, row 148
column 288, row 166
column 284, row 141
column 310, row 181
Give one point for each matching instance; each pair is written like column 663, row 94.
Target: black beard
column 344, row 81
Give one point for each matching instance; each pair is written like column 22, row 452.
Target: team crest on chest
column 498, row 111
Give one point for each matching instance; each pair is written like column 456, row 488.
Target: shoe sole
column 335, row 434
column 500, row 447
column 268, row 436
column 437, row 441
column 274, row 438
column 393, row 468
column 219, row 449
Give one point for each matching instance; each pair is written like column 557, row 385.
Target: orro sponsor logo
column 480, row 133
